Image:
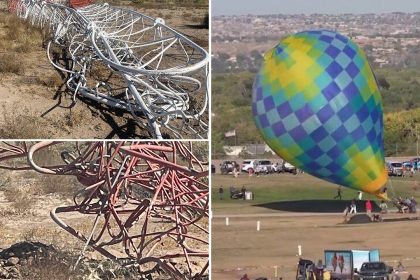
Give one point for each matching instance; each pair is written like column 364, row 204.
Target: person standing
column 359, row 195
column 221, row 193
column 368, row 207
column 353, row 207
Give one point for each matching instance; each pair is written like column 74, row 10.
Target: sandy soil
column 30, row 109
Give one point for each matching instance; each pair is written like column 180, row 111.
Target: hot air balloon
column 317, row 105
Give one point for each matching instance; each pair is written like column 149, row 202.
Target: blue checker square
column 319, row 134
column 341, row 38
column 351, row 124
column 343, row 60
column 350, row 52
column 269, row 103
column 273, row 116
column 350, row 91
column 352, row 69
column 304, row 113
column 284, row 110
column 331, row 91
column 278, row 128
column 332, row 51
column 339, row 133
column 358, row 133
column 327, row 144
column 323, row 160
column 334, row 69
column 264, row 122
column 334, row 152
column 298, row 132
column 345, row 113
column 315, row 152
column 326, row 38
column 325, row 113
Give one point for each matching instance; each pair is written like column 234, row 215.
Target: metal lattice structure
column 129, row 61
column 147, row 202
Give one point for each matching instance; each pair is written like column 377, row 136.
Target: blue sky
column 240, row 7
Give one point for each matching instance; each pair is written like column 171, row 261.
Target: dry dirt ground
column 34, row 104
column 239, row 248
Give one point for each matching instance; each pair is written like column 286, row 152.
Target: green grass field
column 289, row 187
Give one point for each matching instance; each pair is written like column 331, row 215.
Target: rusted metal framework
column 127, row 60
column 147, row 202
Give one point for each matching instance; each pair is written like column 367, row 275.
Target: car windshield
column 246, row 162
column 265, row 162
column 373, row 266
column 396, row 164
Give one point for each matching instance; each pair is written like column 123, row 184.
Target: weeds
column 10, row 63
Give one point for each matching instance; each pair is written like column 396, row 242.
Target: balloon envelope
column 317, row 105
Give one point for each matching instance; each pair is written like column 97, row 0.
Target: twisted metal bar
column 148, row 201
column 127, row 60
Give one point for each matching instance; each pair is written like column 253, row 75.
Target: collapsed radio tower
column 126, row 60
column 147, row 202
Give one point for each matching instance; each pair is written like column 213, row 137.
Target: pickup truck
column 373, row 271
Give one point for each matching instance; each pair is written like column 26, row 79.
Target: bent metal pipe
column 127, row 60
column 139, row 197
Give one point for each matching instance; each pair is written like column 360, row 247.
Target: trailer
column 342, row 263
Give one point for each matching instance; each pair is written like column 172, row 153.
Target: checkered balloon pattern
column 317, row 105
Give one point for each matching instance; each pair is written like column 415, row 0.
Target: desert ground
column 35, row 104
column 34, row 247
column 300, row 210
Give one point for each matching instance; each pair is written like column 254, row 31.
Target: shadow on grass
column 316, row 206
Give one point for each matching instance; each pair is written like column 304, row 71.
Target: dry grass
column 21, row 200
column 22, row 124
column 20, row 35
column 11, row 63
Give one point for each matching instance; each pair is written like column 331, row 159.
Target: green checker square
column 360, row 61
column 338, row 102
column 343, row 80
column 352, row 150
column 315, row 70
column 343, row 60
column 269, row 133
column 297, row 101
column 367, row 125
column 357, row 102
column 260, row 107
column 346, row 142
column 286, row 140
column 338, row 44
column 295, row 149
column 325, row 172
column 324, row 160
column 314, row 53
column 327, row 144
column 318, row 102
column 290, row 90
column 273, row 116
column 332, row 123
column 324, row 60
column 371, row 175
column 290, row 122
column 303, row 158
column 307, row 143
column 342, row 173
column 363, row 143
column 323, row 80
column 352, row 123
column 310, row 124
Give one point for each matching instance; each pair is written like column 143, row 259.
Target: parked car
column 288, row 167
column 248, row 165
column 264, row 166
column 373, row 270
column 395, row 168
column 227, row 166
